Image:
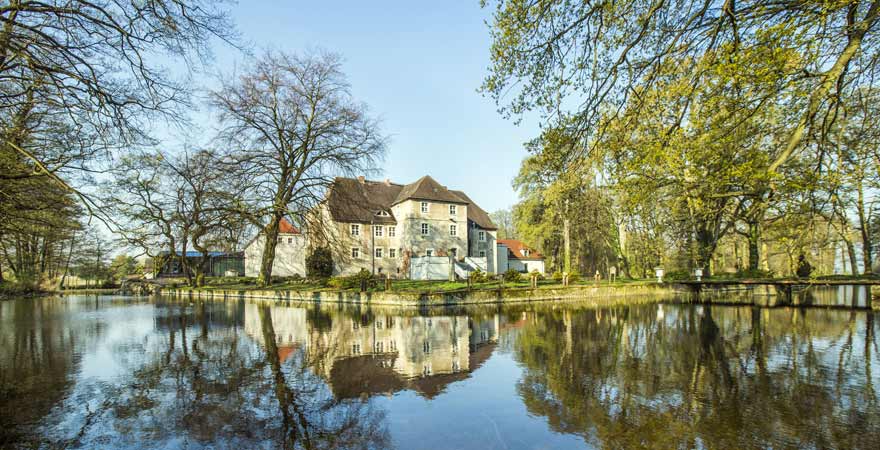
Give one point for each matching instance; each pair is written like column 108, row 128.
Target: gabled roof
column 476, row 214
column 516, row 250
column 285, row 227
column 426, row 188
column 350, row 200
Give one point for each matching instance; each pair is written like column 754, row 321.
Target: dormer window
column 525, row 252
column 424, row 207
column 383, row 214
column 452, row 210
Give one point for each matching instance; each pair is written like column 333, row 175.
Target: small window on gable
column 425, row 229
column 453, row 230
column 424, row 207
column 452, row 210
column 392, row 231
column 481, row 236
column 355, row 229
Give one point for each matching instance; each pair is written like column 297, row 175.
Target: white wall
column 429, row 268
column 290, row 256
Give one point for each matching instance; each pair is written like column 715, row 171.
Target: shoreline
column 719, row 294
column 601, row 294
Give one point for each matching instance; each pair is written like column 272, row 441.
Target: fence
column 437, row 267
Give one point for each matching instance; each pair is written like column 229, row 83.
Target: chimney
column 361, row 179
column 387, row 182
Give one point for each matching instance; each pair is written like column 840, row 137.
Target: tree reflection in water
column 118, row 373
column 692, row 377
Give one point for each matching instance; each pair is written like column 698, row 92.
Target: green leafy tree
column 319, row 264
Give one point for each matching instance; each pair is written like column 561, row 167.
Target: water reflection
column 116, row 372
column 704, row 377
column 366, row 353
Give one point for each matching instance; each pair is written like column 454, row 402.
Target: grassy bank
column 10, row 290
column 400, row 286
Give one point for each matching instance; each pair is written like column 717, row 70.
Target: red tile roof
column 516, row 248
column 286, row 227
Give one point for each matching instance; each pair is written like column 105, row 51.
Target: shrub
column 352, row 282
column 574, row 276
column 677, row 275
column 539, row 274
column 749, row 273
column 478, row 276
column 512, row 276
column 557, row 276
column 320, row 263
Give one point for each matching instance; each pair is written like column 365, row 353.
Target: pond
column 116, row 372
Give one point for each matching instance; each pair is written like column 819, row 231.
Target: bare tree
column 292, row 126
column 95, row 66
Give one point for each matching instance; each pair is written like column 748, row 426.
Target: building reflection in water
column 366, row 353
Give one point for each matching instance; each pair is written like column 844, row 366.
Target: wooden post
column 387, row 283
column 565, row 279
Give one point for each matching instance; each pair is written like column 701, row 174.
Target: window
column 379, row 251
column 482, row 253
column 425, row 229
column 392, row 253
column 452, row 210
column 380, row 347
column 377, row 231
column 383, row 214
column 355, row 229
column 355, row 349
column 392, row 231
column 525, row 252
column 453, row 230
column 481, row 236
column 290, row 240
column 424, row 207
column 355, row 252
column 429, row 252
column 426, row 347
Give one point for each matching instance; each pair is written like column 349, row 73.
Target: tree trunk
column 566, row 243
column 271, row 234
column 706, row 244
column 864, row 228
column 754, row 245
column 851, row 252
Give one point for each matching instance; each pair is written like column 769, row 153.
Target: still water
column 115, row 372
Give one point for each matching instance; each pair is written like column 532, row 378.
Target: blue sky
column 418, row 66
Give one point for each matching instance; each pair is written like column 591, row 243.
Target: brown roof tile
column 476, row 214
column 351, row 200
column 426, row 188
column 516, row 248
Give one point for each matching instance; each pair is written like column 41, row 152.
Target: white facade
column 290, row 256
